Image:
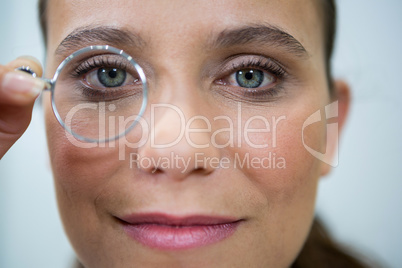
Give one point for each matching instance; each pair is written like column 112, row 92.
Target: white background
column 360, row 201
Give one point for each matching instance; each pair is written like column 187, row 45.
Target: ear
column 343, row 96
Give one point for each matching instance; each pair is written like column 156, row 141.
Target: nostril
column 201, row 171
column 157, row 171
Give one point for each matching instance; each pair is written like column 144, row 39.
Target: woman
column 263, row 65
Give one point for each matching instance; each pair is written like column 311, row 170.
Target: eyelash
column 263, row 64
column 97, row 62
column 91, row 64
column 257, row 94
column 250, row 94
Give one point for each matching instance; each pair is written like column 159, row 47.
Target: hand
column 18, row 91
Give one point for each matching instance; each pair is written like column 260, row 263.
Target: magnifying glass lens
column 98, row 93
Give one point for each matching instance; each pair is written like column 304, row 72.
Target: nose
column 180, row 141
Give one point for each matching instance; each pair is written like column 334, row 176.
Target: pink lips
column 174, row 233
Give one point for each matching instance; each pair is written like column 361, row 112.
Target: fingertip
column 30, row 58
column 32, row 62
column 21, row 88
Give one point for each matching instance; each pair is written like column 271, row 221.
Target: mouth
column 168, row 232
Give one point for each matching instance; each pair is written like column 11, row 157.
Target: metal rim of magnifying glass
column 117, row 52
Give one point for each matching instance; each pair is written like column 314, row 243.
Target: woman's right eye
column 109, row 77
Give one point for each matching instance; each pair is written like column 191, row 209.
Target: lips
column 167, row 232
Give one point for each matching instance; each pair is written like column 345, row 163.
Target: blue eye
column 111, row 77
column 251, row 78
column 106, row 77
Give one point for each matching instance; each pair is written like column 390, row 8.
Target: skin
column 276, row 205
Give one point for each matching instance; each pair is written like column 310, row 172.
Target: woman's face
column 239, row 192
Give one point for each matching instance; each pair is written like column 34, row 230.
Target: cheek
column 283, row 179
column 284, row 165
column 80, row 174
column 284, row 175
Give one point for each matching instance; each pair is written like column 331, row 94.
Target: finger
column 32, row 62
column 18, row 88
column 18, row 91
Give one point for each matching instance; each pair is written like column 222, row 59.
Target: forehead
column 187, row 22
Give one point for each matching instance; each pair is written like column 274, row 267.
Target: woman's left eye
column 106, row 77
column 251, row 78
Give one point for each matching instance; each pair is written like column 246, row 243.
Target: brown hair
column 319, row 249
column 329, row 18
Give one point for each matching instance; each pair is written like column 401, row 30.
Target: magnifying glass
column 98, row 93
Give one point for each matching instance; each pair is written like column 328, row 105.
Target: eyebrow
column 264, row 35
column 99, row 35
